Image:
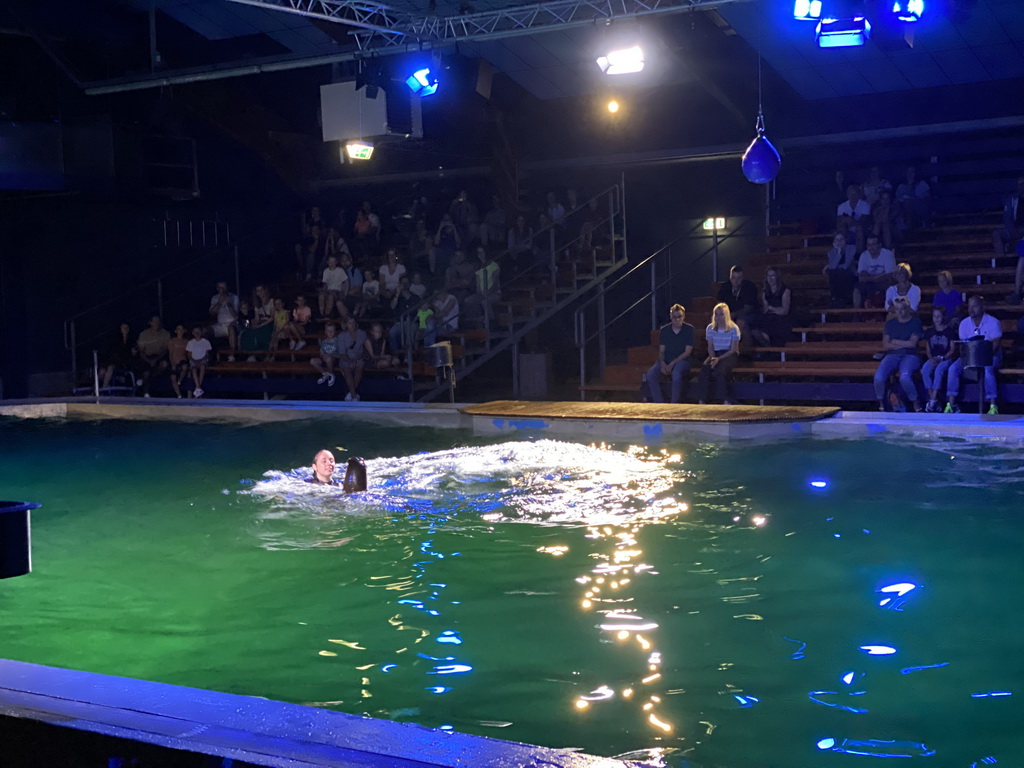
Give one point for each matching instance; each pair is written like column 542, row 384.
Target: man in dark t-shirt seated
column 675, row 345
column 741, row 297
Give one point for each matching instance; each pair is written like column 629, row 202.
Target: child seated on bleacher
column 948, row 297
column 939, row 344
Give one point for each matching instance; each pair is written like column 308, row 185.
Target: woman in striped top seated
column 723, row 336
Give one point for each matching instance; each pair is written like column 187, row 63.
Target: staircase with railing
column 559, row 271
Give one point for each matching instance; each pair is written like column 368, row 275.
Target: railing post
column 515, row 369
column 581, row 343
column 654, row 293
column 602, row 339
column 74, row 351
column 96, row 373
column 160, row 298
column 238, row 279
column 554, row 259
column 714, row 255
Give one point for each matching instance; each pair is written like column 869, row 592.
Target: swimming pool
column 744, row 604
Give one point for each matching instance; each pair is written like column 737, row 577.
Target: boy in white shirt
column 198, row 350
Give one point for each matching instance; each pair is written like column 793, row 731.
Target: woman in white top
column 723, row 337
column 903, row 287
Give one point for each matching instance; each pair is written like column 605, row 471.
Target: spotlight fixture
column 624, row 61
column 842, row 33
column 908, row 10
column 613, row 106
column 714, row 222
column 421, row 83
column 359, row 150
column 807, row 10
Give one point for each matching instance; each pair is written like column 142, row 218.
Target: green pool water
column 691, row 604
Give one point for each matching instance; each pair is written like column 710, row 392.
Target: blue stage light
column 908, row 10
column 842, row 33
column 421, row 83
column 807, row 10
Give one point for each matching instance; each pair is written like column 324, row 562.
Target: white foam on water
column 542, row 482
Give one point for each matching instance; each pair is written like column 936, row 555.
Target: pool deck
column 643, row 422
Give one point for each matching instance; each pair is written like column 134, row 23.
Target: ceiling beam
column 383, row 32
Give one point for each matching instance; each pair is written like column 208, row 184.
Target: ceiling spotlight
column 842, row 33
column 908, row 10
column 422, row 83
column 613, row 106
column 807, row 10
column 622, row 62
column 359, row 150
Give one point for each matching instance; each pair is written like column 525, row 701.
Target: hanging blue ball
column 761, row 161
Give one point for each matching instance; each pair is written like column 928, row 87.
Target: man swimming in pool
column 323, row 472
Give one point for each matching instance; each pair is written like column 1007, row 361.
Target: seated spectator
column 903, row 287
column 914, row 200
column 853, row 217
column 976, row 325
column 938, row 342
column 874, row 186
column 876, row 271
column 839, row 187
column 354, row 294
column 198, row 349
column 330, row 353
column 446, row 242
column 1005, row 238
column 121, row 355
column 335, row 244
column 741, row 297
column 948, row 297
column 257, row 336
column 282, row 321
column 152, row 344
column 224, row 311
column 390, row 274
column 426, row 324
column 177, row 356
column 402, row 335
column 840, row 271
column 245, row 317
column 775, row 323
column 883, row 219
column 900, row 341
column 464, row 216
column 333, row 288
column 460, row 277
column 520, row 245
column 376, row 351
column 675, row 345
column 446, row 315
column 370, row 300
column 351, row 345
column 315, row 246
column 487, row 281
column 555, row 210
column 417, row 286
column 495, row 225
column 302, row 313
column 723, row 337
column 364, row 239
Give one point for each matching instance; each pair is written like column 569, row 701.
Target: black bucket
column 976, row 353
column 15, row 538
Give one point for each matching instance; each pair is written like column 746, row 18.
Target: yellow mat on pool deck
column 666, row 412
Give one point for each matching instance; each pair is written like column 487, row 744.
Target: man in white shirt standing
column 853, row 217
column 976, row 325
